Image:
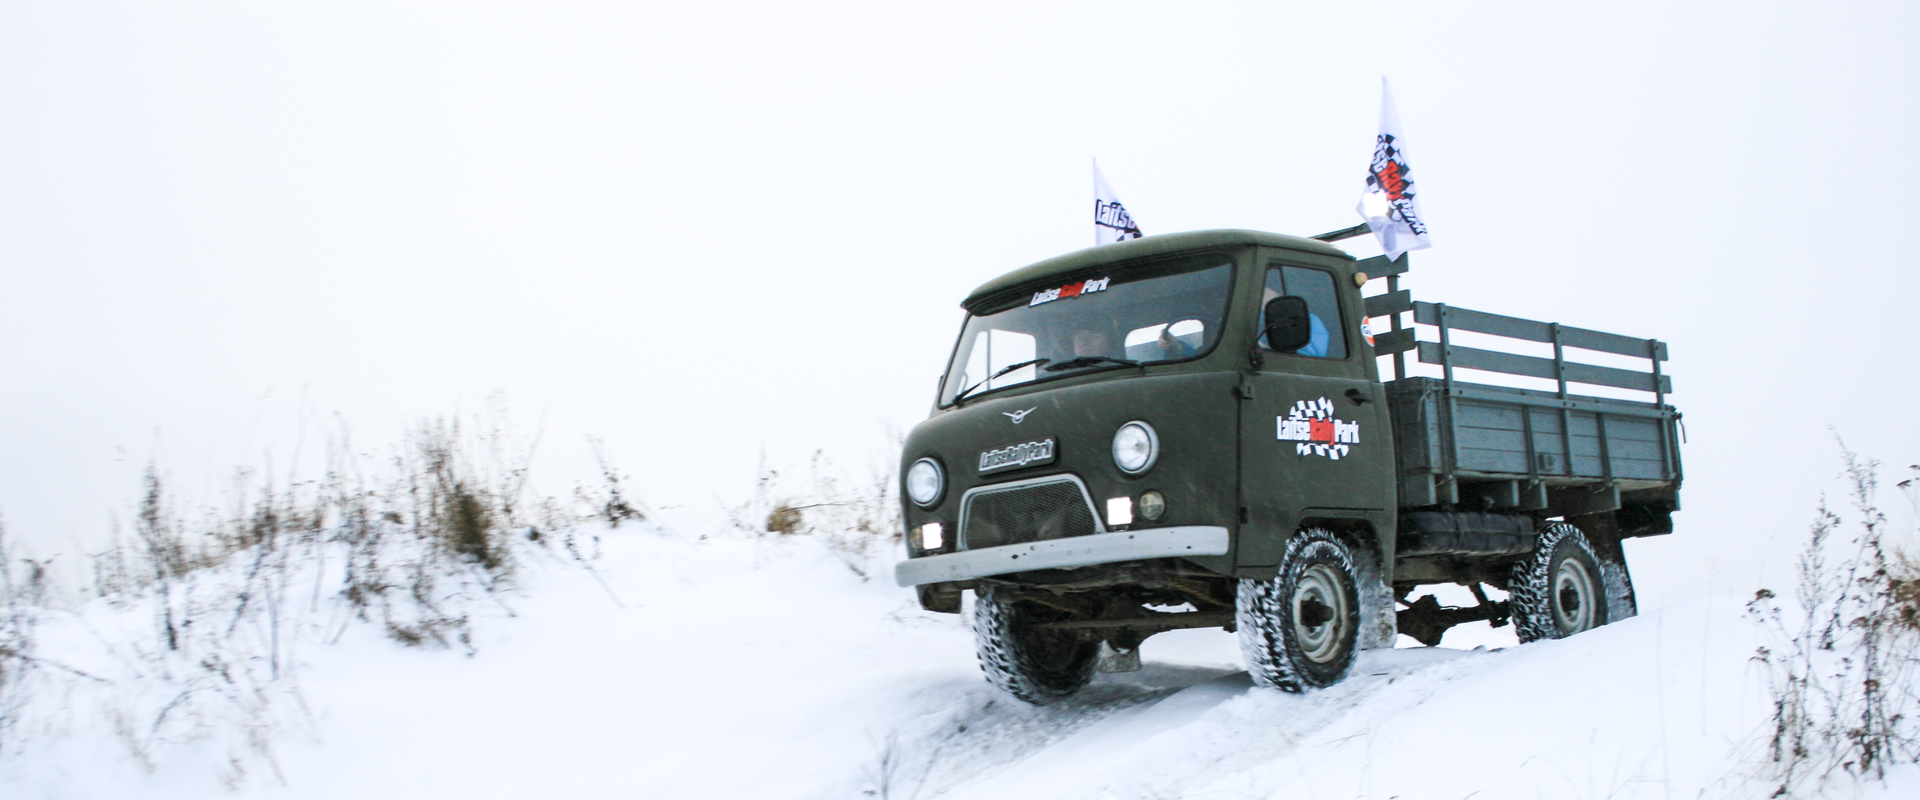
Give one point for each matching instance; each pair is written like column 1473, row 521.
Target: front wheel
column 1301, row 629
column 1036, row 664
column 1559, row 590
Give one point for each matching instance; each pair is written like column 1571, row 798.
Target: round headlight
column 1135, row 447
column 925, row 481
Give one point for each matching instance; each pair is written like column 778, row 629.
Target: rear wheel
column 1025, row 660
column 1301, row 629
column 1559, row 590
column 1614, row 575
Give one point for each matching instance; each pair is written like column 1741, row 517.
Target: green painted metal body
column 1226, row 456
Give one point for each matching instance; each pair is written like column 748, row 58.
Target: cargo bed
column 1552, row 453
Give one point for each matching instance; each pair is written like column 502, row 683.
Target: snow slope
column 773, row 669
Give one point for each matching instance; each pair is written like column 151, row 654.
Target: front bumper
column 1075, row 551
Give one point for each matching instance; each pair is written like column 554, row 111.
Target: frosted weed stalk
column 1842, row 654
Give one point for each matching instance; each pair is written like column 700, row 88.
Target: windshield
column 1124, row 317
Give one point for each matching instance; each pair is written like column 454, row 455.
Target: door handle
column 1358, row 397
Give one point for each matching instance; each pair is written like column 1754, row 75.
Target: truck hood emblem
column 1017, row 456
column 1019, row 416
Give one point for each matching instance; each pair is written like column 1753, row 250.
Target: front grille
column 1027, row 513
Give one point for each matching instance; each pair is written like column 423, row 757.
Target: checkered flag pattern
column 1305, row 411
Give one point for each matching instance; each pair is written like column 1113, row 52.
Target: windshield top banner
column 1074, row 289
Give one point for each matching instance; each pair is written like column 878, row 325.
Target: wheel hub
column 1573, row 597
column 1319, row 613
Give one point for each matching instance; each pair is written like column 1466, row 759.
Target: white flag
column 1111, row 222
column 1390, row 205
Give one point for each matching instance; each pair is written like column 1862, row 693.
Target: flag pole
column 1361, row 229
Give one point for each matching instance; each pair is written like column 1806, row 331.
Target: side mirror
column 1287, row 326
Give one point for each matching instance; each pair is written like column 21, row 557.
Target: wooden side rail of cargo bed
column 1449, row 356
column 1531, row 450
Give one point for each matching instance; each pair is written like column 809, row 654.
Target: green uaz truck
column 1190, row 430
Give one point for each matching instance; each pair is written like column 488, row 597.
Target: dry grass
column 857, row 517
column 407, row 544
column 1844, row 650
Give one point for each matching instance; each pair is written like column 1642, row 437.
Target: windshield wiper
column 1003, row 370
column 1088, row 361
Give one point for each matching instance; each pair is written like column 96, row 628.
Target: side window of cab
column 1323, row 308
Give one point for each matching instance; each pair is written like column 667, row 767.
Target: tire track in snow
column 1166, row 742
column 982, row 732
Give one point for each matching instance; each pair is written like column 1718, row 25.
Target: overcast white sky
column 701, row 231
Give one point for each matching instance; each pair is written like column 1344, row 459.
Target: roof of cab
column 1144, row 247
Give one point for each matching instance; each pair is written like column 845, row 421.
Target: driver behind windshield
column 1080, row 341
column 1092, row 343
column 1101, row 343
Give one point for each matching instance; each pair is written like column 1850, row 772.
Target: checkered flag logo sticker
column 1311, row 426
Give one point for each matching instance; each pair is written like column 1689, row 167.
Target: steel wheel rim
column 1315, row 594
column 1573, row 599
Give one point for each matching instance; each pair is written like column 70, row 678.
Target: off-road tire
column 1620, row 598
column 1559, row 590
column 1276, row 618
column 1035, row 665
column 1613, row 570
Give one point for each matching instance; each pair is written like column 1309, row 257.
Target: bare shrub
column 451, row 505
column 444, row 513
column 431, row 630
column 612, row 505
column 786, row 518
column 855, row 517
column 749, row 517
column 17, row 599
column 1843, row 651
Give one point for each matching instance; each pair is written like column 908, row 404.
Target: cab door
column 1313, row 423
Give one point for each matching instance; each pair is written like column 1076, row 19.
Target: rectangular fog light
column 931, row 536
column 1119, row 511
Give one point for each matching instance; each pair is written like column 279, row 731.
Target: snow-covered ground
column 771, row 668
